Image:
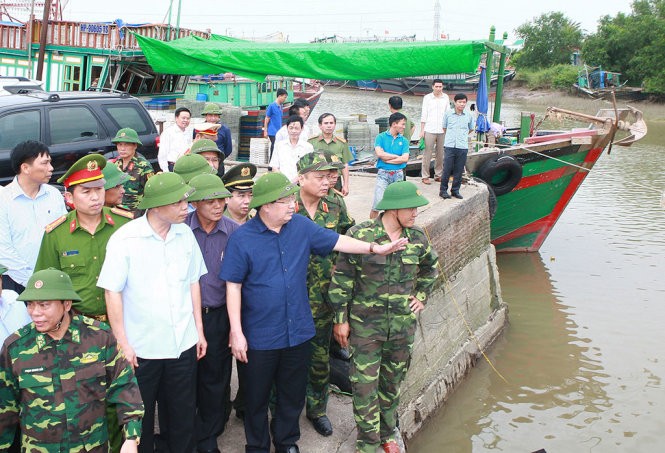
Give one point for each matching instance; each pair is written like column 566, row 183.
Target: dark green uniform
column 337, row 145
column 372, row 293
column 58, row 389
column 139, row 170
column 333, row 215
column 70, row 248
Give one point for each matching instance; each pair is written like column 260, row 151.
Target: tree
column 632, row 44
column 549, row 39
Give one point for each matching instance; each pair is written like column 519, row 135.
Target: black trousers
column 173, row 381
column 454, row 160
column 272, row 145
column 287, row 370
column 213, row 379
column 9, row 283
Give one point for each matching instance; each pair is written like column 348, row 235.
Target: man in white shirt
column 434, row 108
column 153, row 298
column 175, row 140
column 301, row 108
column 27, row 205
column 13, row 314
column 286, row 154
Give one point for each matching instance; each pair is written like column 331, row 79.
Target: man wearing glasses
column 271, row 328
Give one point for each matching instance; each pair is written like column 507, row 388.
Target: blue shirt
column 272, row 269
column 393, row 145
column 224, row 141
column 213, row 245
column 274, row 112
column 457, row 127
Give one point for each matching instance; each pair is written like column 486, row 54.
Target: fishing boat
column 597, row 83
column 531, row 176
column 455, row 83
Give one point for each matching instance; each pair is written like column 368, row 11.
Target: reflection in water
column 555, row 381
column 583, row 353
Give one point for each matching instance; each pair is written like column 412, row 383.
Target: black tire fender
column 491, row 197
column 509, row 169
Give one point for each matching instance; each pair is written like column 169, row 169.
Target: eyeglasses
column 287, row 200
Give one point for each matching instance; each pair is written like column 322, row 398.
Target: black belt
column 207, row 310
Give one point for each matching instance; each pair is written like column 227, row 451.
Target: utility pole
column 437, row 21
column 42, row 40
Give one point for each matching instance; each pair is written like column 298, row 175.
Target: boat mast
column 437, row 21
column 499, row 85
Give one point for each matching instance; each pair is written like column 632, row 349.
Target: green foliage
column 548, row 40
column 632, row 44
column 561, row 76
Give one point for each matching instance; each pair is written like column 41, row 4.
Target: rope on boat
column 448, row 289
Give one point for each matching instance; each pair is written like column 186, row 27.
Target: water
column 583, row 354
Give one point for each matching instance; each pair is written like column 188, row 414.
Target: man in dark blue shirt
column 212, row 230
column 265, row 265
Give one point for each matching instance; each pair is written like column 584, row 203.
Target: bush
column 560, row 76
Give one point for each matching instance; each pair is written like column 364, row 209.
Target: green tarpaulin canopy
column 345, row 61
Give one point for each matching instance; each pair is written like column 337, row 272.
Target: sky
column 304, row 20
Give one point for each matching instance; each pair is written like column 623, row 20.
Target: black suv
column 72, row 124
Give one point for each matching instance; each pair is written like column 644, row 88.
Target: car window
column 72, row 124
column 127, row 115
column 17, row 127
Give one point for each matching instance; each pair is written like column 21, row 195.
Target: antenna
column 19, row 10
column 437, row 20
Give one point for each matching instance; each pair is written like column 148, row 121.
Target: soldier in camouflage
column 376, row 300
column 312, row 202
column 57, row 374
column 134, row 164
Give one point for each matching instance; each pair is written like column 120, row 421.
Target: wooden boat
column 454, row 83
column 397, row 86
column 597, row 83
column 531, row 182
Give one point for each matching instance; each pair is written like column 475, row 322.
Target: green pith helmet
column 333, row 159
column 401, row 195
column 127, row 135
column 86, row 172
column 240, row 177
column 163, row 189
column 203, row 145
column 191, row 165
column 114, row 176
column 314, row 161
column 3, row 269
column 49, row 284
column 211, row 109
column 271, row 187
column 208, row 187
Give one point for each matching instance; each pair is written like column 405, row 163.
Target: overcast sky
column 303, row 20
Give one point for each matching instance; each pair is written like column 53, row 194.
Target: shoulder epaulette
column 341, row 139
column 22, row 332
column 122, row 212
column 53, row 225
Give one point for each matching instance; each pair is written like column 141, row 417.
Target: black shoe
column 444, row 195
column 457, row 195
column 291, row 449
column 322, row 425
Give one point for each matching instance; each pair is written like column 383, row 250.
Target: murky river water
column 583, row 354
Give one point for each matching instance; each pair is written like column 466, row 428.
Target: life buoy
column 502, row 174
column 491, row 197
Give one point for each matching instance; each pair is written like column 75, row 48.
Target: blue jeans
column 383, row 179
column 453, row 164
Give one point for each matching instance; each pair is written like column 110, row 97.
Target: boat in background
column 597, row 83
column 455, row 83
column 532, row 179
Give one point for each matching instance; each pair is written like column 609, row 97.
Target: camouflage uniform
column 139, row 170
column 59, row 389
column 372, row 293
column 70, row 248
column 334, row 216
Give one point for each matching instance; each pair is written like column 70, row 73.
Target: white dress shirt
column 13, row 314
column 432, row 112
column 173, row 143
column 285, row 156
column 154, row 276
column 283, row 134
column 22, row 222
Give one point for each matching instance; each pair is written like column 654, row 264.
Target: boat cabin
column 82, row 56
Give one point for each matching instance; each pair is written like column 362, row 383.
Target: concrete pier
column 464, row 315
